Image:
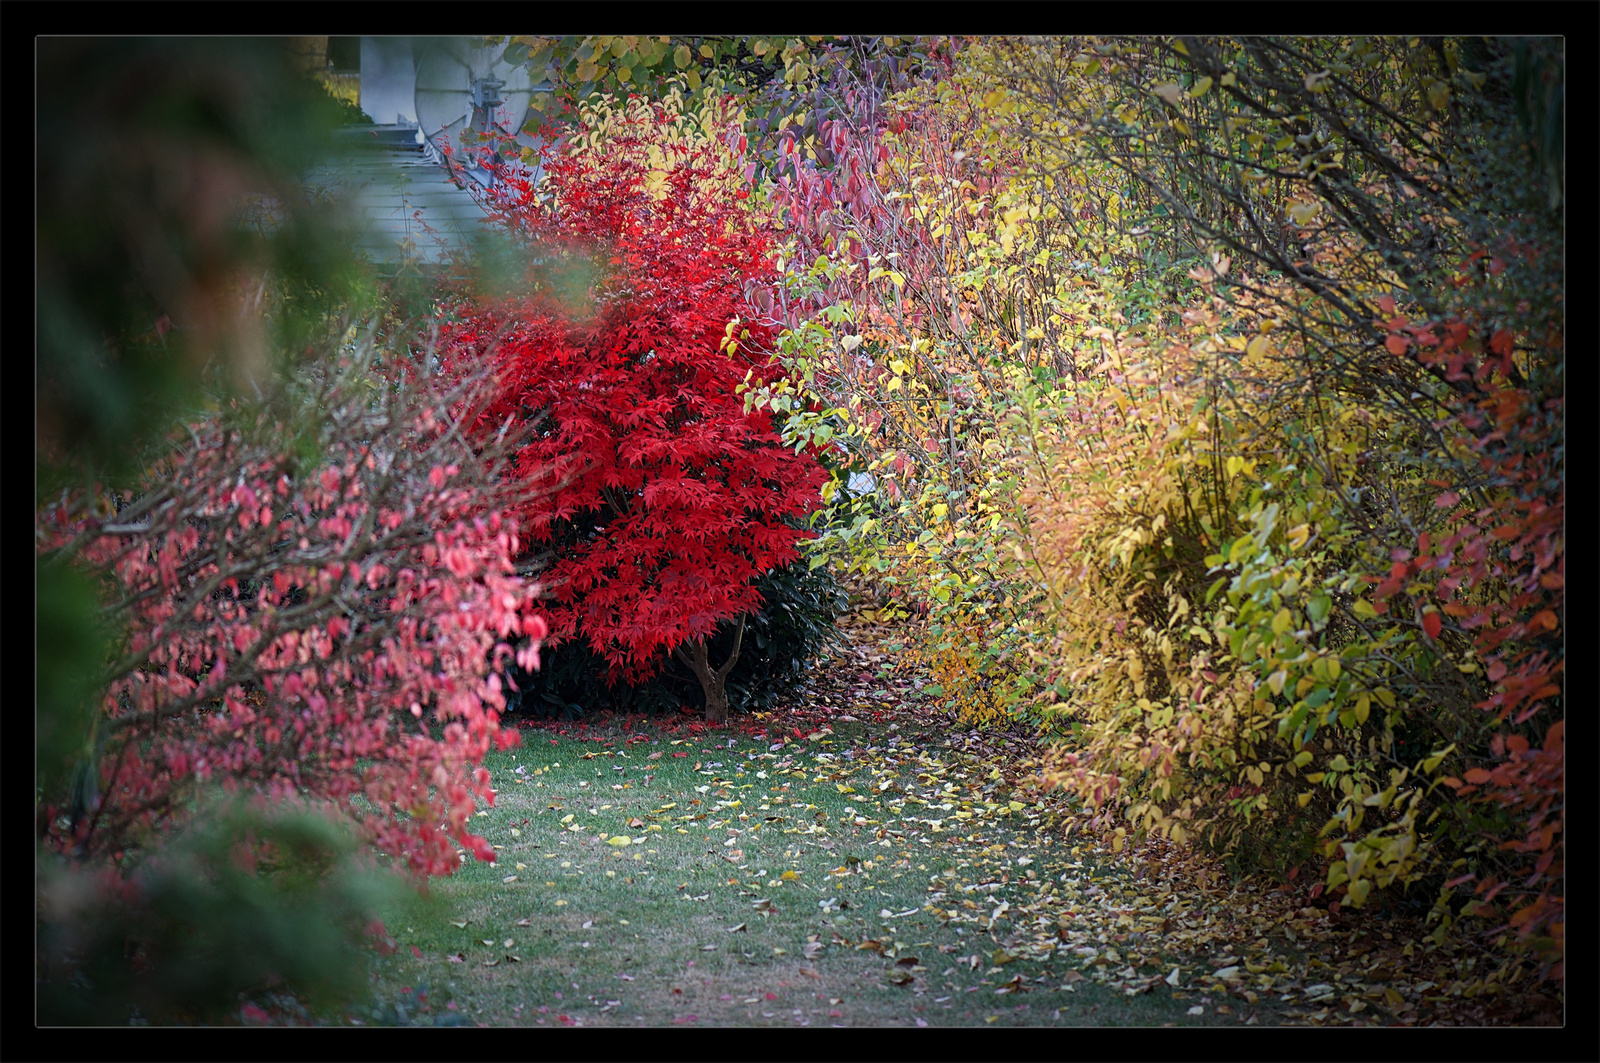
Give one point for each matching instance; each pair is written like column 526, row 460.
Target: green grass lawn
column 859, row 876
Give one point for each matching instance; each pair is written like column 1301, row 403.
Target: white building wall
column 388, row 80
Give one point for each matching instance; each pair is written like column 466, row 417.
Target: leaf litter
column 1022, row 871
column 1130, row 918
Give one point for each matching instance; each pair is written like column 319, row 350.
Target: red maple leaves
column 663, row 498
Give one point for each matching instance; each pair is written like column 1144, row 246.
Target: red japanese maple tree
column 665, row 499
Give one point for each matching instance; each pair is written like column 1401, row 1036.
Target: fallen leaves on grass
column 1025, row 873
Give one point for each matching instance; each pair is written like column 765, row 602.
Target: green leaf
column 1317, row 608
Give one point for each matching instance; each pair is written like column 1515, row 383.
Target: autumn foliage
column 321, row 627
column 1223, row 443
column 660, row 499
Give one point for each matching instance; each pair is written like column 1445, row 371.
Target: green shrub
column 250, row 906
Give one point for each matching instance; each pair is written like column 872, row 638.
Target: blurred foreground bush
column 248, row 903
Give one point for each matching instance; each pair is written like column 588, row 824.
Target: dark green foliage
column 249, row 903
column 169, row 192
column 794, row 624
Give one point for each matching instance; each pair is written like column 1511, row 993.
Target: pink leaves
column 318, row 638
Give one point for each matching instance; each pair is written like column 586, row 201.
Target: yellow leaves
column 1363, row 708
column 619, row 840
column 1201, row 87
column 681, row 57
column 1276, row 680
column 1299, row 535
column 1281, row 622
column 1304, row 212
column 1431, row 764
column 1257, row 347
column 1171, row 92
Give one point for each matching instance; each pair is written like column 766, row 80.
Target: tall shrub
column 663, row 500
column 1365, row 409
column 311, row 611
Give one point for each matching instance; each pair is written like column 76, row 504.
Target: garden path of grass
column 859, row 861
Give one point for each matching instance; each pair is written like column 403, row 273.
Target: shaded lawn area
column 859, row 859
column 842, row 879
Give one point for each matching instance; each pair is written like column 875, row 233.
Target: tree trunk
column 713, row 681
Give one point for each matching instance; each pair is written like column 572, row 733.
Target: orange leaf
column 1396, row 344
column 1544, row 620
column 1552, row 737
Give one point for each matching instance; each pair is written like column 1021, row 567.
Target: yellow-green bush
column 1228, row 679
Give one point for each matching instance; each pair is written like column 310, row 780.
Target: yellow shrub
column 1205, row 588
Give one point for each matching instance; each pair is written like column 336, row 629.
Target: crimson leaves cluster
column 661, row 499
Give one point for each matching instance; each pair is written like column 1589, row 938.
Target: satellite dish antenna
column 465, row 89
